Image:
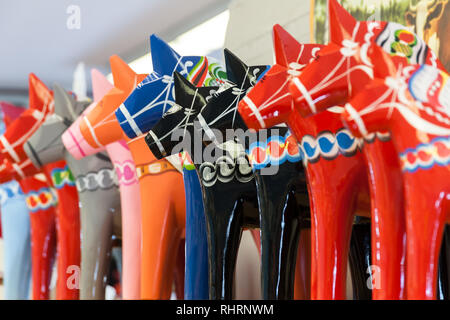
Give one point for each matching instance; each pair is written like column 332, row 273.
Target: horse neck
column 140, row 152
column 119, row 152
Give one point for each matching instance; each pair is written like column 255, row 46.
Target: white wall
column 249, row 33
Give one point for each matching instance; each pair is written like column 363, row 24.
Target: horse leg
column 444, row 267
column 360, row 259
column 180, row 271
column 280, row 228
column 196, row 286
column 331, row 221
column 388, row 221
column 224, row 228
column 16, row 248
column 161, row 235
column 131, row 241
column 68, row 242
column 425, row 221
column 302, row 284
column 96, row 241
column 43, row 249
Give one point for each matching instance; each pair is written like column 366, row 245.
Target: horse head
column 154, row 95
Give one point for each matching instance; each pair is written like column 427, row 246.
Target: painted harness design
column 62, row 177
column 9, row 190
column 104, row 179
column 42, row 199
column 329, row 145
column 126, row 172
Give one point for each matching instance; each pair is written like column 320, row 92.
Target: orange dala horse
column 161, row 187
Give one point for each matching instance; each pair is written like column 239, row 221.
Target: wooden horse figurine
column 17, row 241
column 412, row 102
column 140, row 111
column 235, row 180
column 40, row 202
column 280, row 184
column 340, row 70
column 161, row 189
column 67, row 224
column 15, row 221
column 224, row 196
column 129, row 189
column 97, row 191
column 41, row 104
column 272, row 150
column 335, row 170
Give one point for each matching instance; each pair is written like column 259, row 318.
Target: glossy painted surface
column 282, row 194
column 41, row 202
column 443, row 283
column 16, row 242
column 179, row 275
column 67, row 218
column 409, row 100
column 302, row 286
column 335, row 171
column 360, row 259
column 145, row 106
column 128, row 184
column 221, row 200
column 339, row 70
column 40, row 198
column 163, row 209
column 40, row 104
column 196, row 285
column 67, row 211
column 130, row 200
column 98, row 202
column 15, row 227
column 163, row 223
column 230, row 201
column 154, row 95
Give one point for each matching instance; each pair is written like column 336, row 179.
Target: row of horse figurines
column 369, row 135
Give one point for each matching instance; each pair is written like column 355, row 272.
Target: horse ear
column 39, row 94
column 64, row 102
column 124, row 77
column 184, row 90
column 164, row 58
column 386, row 65
column 341, row 22
column 236, row 69
column 239, row 73
column 100, row 85
column 286, row 47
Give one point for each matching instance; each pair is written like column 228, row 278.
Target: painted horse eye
column 173, row 109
